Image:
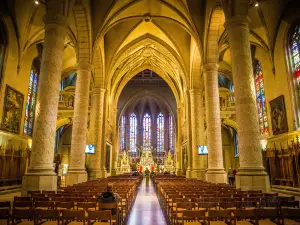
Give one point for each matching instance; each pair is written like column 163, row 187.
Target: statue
column 169, row 163
column 125, row 167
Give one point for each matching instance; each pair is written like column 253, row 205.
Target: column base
column 199, row 174
column 76, row 176
column 178, row 172
column 113, row 172
column 252, row 179
column 216, row 176
column 94, row 174
column 188, row 173
column 36, row 182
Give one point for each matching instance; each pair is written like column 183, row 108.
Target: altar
column 146, row 161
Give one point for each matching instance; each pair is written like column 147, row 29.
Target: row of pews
column 189, row 201
column 77, row 204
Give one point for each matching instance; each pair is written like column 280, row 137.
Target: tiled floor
column 146, row 209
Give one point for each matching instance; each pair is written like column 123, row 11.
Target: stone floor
column 146, row 209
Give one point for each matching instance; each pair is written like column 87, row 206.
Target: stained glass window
column 260, row 99
column 133, row 132
column 160, row 132
column 122, row 133
column 295, row 57
column 147, row 132
column 171, row 134
column 31, row 101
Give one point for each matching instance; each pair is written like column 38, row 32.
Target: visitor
column 147, row 172
column 109, row 196
column 230, row 176
column 234, row 173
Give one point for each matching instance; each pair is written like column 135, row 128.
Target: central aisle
column 146, row 209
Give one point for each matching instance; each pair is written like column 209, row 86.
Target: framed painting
column 12, row 110
column 278, row 116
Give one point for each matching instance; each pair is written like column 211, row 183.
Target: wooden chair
column 113, row 207
column 40, row 199
column 101, row 217
column 23, row 217
column 22, row 204
column 224, row 216
column 64, row 205
column 268, row 214
column 193, row 217
column 87, row 206
column 22, row 199
column 47, row 217
column 180, row 207
column 73, row 217
column 44, row 205
column 290, row 216
column 245, row 215
column 5, row 208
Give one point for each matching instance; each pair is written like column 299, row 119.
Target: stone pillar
column 40, row 174
column 96, row 125
column 178, row 144
column 115, row 147
column 215, row 172
column 77, row 172
column 102, row 123
column 197, row 123
column 251, row 174
column 189, row 136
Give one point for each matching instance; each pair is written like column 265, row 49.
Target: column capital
column 239, row 20
column 58, row 12
column 210, row 67
column 98, row 90
column 84, row 66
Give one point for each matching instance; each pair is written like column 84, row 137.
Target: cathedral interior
column 198, row 92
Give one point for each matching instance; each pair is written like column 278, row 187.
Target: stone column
column 189, row 136
column 215, row 172
column 102, row 123
column 96, row 125
column 77, row 172
column 40, row 174
column 115, row 147
column 197, row 123
column 251, row 174
column 178, row 144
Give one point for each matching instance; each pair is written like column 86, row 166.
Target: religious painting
column 107, row 157
column 12, row 110
column 278, row 116
column 184, row 160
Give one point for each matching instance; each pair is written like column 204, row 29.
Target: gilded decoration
column 12, row 110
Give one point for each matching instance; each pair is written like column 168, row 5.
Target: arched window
column 147, row 132
column 31, row 97
column 160, row 132
column 295, row 59
column 122, row 133
column 171, row 134
column 260, row 98
column 133, row 132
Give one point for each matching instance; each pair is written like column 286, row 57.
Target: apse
column 146, row 116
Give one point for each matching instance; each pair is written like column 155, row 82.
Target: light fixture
column 36, row 2
column 256, row 4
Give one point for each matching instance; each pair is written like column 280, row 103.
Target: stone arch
column 216, row 20
column 63, row 121
column 83, row 32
